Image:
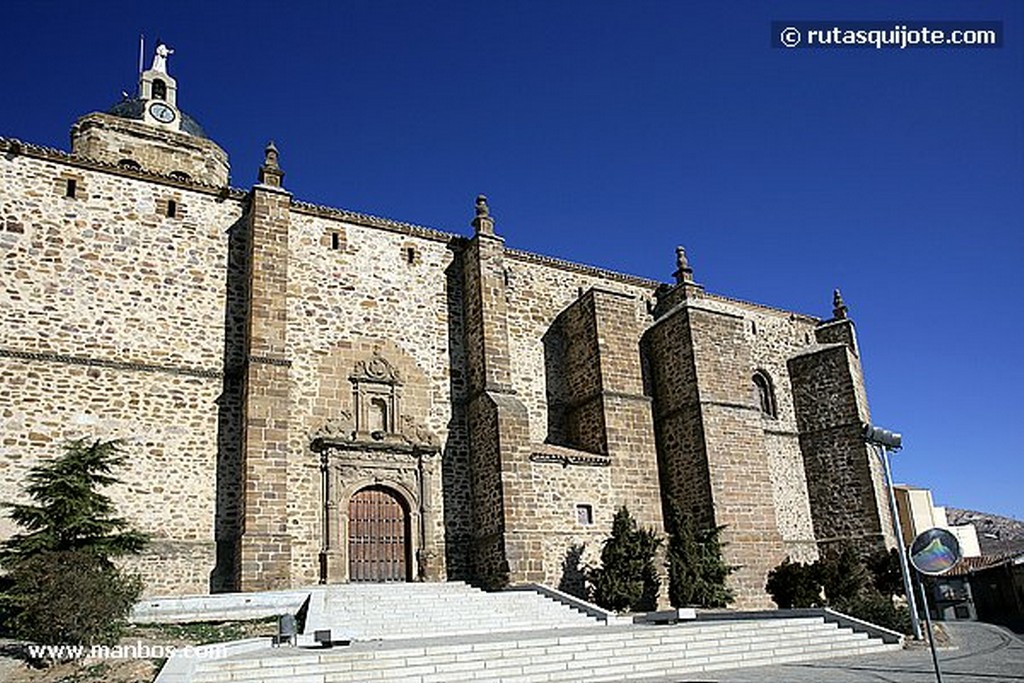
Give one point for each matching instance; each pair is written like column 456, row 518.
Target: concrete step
column 602, row 654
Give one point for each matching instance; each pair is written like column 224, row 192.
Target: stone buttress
column 710, row 439
column 605, row 410
column 265, row 548
column 845, row 481
column 497, row 419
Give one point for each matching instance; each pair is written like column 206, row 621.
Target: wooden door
column 377, row 532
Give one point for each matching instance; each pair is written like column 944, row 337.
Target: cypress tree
column 627, row 578
column 697, row 571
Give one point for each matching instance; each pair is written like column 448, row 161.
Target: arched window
column 159, row 89
column 765, row 393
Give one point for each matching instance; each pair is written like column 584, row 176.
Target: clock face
column 161, row 112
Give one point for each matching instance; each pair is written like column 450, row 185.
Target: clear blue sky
column 608, row 133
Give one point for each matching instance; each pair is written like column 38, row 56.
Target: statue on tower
column 160, row 57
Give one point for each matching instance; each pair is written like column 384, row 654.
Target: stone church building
column 308, row 394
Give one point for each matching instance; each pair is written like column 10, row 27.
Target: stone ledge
column 14, row 146
column 886, row 635
column 539, row 259
column 48, row 357
column 370, row 221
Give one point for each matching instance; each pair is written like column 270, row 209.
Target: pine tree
column 627, row 578
column 69, row 512
column 62, row 586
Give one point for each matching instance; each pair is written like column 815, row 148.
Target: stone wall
column 679, row 428
column 600, row 452
column 626, row 409
column 715, row 444
column 737, row 458
column 538, row 289
column 498, row 422
column 113, row 326
column 354, row 288
column 774, row 337
column 218, row 332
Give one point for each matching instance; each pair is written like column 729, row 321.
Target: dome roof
column 135, row 107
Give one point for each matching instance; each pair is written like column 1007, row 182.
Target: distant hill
column 995, row 534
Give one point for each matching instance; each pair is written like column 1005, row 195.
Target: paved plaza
column 979, row 652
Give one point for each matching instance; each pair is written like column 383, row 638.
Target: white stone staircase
column 447, row 633
column 367, row 611
column 614, row 653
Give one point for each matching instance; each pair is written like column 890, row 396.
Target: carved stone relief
column 376, row 444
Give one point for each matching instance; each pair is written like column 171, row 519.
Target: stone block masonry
column 265, row 544
column 113, row 327
column 721, row 434
column 845, row 488
column 273, row 365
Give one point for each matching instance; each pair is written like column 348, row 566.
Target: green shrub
column 886, row 573
column 627, row 578
column 843, row 574
column 848, row 587
column 878, row 609
column 794, row 584
column 62, row 586
column 70, row 597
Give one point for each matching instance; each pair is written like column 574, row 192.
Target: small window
column 334, row 240
column 753, row 327
column 71, row 188
column 585, row 514
column 765, row 393
column 172, row 208
column 410, row 255
column 159, row 90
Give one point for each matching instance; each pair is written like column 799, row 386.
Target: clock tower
column 160, row 92
column 149, row 133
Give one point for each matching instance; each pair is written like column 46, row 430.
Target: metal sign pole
column 908, row 584
column 931, row 632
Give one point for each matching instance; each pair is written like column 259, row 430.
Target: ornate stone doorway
column 380, row 485
column 378, row 537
